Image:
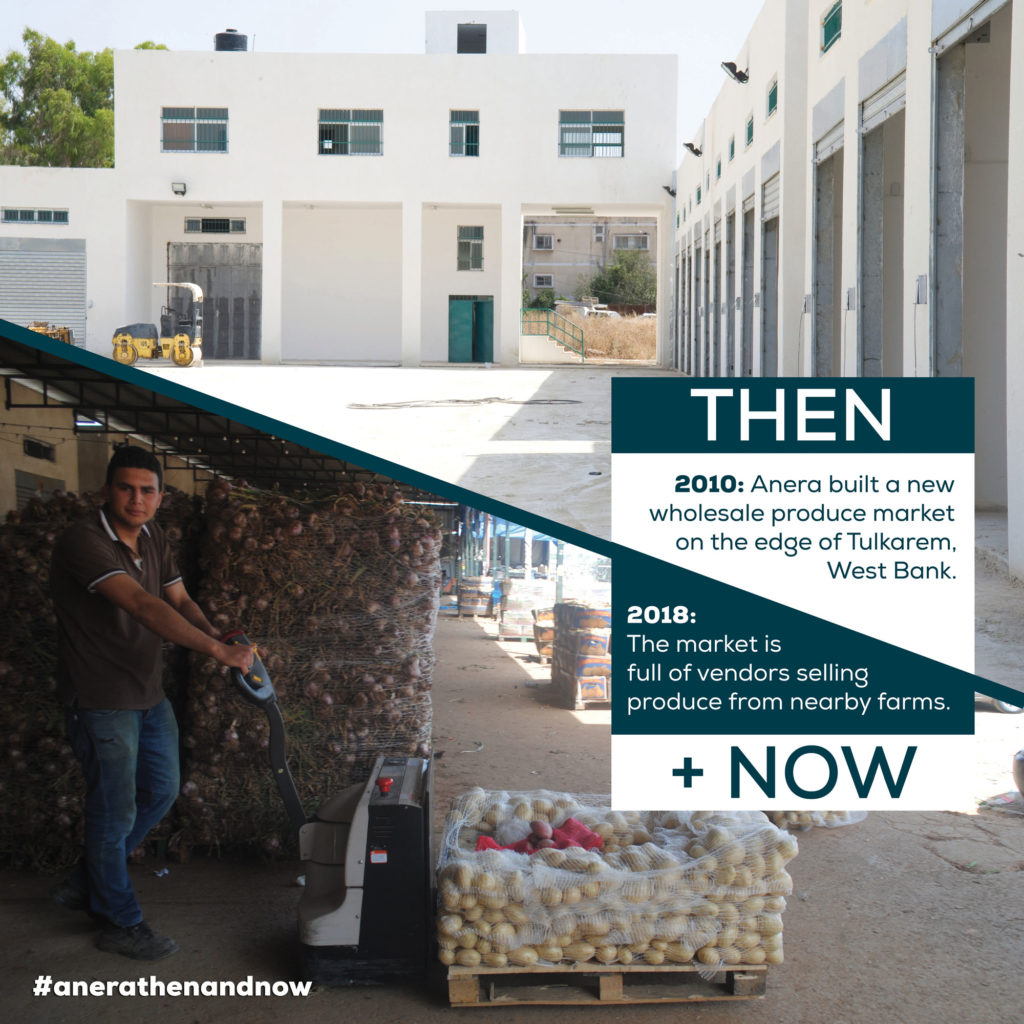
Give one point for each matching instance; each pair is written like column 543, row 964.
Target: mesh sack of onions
column 341, row 596
column 41, row 786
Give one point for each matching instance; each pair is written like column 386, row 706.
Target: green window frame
column 831, row 26
column 718, row 168
column 194, row 130
column 591, row 133
column 464, row 133
column 16, row 215
column 750, row 130
column 773, row 97
column 470, row 247
column 732, row 148
column 350, row 132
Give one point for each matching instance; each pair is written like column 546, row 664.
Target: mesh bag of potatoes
column 801, row 821
column 660, row 887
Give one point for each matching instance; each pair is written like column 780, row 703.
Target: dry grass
column 628, row 337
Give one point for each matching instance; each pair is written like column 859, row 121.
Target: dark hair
column 132, row 457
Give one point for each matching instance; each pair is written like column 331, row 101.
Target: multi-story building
column 561, row 254
column 849, row 210
column 338, row 208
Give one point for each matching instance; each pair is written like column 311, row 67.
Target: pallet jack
column 367, row 902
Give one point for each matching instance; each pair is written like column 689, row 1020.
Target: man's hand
column 240, row 656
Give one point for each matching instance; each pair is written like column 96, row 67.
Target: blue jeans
column 130, row 761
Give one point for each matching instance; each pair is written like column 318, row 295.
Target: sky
column 700, row 34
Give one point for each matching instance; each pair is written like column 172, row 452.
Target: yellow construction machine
column 179, row 338
column 65, row 334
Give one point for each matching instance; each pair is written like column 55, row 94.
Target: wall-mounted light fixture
column 695, row 150
column 670, row 190
column 734, row 73
column 178, row 188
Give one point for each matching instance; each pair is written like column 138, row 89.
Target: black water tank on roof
column 231, row 39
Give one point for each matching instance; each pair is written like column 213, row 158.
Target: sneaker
column 67, row 895
column 139, row 942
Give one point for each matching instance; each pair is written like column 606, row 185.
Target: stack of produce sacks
column 581, row 660
column 341, row 597
column 706, row 887
column 41, row 787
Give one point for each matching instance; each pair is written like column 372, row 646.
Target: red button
column 384, row 784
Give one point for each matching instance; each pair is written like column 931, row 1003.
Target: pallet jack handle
column 256, row 688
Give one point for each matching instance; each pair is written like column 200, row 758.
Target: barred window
column 349, row 132
column 470, row 248
column 590, row 133
column 194, row 130
column 464, row 133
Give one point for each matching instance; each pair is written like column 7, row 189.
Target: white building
column 850, row 210
column 339, row 208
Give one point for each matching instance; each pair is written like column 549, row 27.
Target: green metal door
column 460, row 330
column 483, row 331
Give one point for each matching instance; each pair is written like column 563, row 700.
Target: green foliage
column 630, row 280
column 56, row 105
column 545, row 299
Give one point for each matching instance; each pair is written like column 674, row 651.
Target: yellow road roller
column 180, row 338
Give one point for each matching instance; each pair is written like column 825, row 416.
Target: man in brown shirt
column 117, row 594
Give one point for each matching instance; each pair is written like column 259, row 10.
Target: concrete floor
column 537, row 438
column 903, row 918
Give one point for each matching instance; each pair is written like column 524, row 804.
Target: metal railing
column 555, row 326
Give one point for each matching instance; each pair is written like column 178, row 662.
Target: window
column 12, row 215
column 590, row 132
column 732, row 147
column 831, row 26
column 194, row 129
column 215, row 225
column 39, row 449
column 750, row 130
column 350, row 133
column 599, row 234
column 471, row 39
column 471, row 249
column 773, row 97
column 544, row 242
column 698, row 195
column 464, row 133
column 630, row 242
column 718, row 169
column 543, row 280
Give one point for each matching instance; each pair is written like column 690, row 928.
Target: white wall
column 342, row 296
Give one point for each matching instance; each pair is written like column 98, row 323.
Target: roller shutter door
column 44, row 279
column 831, row 142
column 889, row 100
column 770, row 198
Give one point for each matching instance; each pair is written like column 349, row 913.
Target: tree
column 57, row 105
column 629, row 280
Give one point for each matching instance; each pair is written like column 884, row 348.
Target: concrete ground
column 534, row 437
column 903, row 918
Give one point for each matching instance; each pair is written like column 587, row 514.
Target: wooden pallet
column 588, row 984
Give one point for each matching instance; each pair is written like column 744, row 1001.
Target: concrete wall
column 342, row 297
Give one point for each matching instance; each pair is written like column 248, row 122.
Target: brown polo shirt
column 105, row 657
